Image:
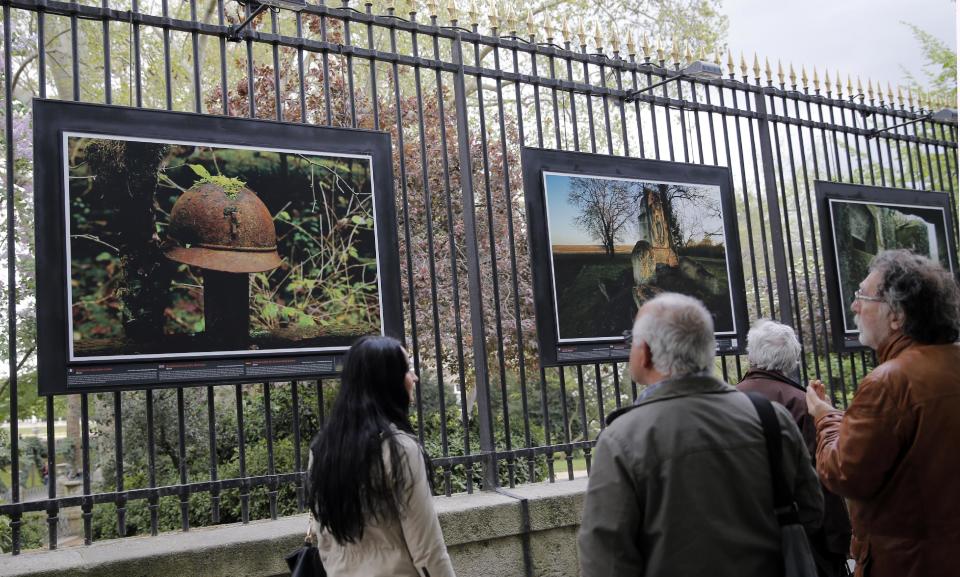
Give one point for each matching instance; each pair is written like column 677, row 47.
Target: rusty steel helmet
column 217, row 230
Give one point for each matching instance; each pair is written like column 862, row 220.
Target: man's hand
column 817, row 404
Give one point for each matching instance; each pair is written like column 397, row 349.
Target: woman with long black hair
column 369, row 488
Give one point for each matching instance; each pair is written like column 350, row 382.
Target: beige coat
column 406, row 547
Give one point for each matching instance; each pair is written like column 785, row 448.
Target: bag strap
column 311, row 536
column 783, row 503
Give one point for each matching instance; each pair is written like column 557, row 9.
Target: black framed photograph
column 609, row 233
column 176, row 248
column 857, row 222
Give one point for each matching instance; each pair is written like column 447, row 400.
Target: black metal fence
column 460, row 100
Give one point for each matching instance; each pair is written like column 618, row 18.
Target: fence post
column 773, row 211
column 484, row 414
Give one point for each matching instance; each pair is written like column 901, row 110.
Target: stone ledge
column 480, row 530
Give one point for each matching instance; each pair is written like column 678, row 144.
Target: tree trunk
column 126, row 175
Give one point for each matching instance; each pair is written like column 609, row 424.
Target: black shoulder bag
column 305, row 560
column 797, row 557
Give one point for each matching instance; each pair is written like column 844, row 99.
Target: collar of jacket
column 772, row 375
column 893, row 347
column 675, row 387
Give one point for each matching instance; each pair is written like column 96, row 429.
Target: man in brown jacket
column 894, row 453
column 774, row 353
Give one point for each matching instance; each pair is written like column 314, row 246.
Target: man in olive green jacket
column 680, row 483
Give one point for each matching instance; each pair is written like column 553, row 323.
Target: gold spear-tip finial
column 474, row 13
column 494, row 17
column 900, row 95
column 675, row 51
column 743, row 65
column 827, row 83
column 860, row 85
column 687, row 54
column 793, row 76
column 659, row 50
column 839, row 85
column 716, row 57
column 645, row 45
column 565, row 30
column 581, row 34
column 631, row 44
column 910, row 96
column 767, row 71
column 512, row 21
column 703, row 52
column 433, row 7
column 816, row 80
column 889, row 94
column 869, row 87
column 549, row 28
column 531, row 26
column 452, row 10
column 803, row 76
column 614, row 40
column 597, row 37
column 849, row 87
column 780, row 74
column 731, row 67
column 756, row 66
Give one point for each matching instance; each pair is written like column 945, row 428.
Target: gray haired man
column 774, row 354
column 680, row 483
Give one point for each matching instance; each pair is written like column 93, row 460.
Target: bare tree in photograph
column 688, row 211
column 606, row 206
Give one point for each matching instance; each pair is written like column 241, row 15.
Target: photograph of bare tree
column 615, row 243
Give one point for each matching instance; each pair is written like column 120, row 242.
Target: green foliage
column 941, row 67
column 32, row 532
column 231, row 185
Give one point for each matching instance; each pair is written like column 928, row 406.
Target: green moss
column 231, row 186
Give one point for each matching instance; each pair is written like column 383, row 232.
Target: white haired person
column 774, row 354
column 680, row 481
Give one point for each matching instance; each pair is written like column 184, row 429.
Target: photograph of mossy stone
column 861, row 230
column 184, row 249
column 615, row 243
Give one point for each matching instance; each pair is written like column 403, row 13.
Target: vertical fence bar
column 153, row 502
column 773, row 211
column 489, row 472
column 452, row 240
column 12, row 383
column 271, row 465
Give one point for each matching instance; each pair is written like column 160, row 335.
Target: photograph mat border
column 71, row 358
column 556, row 308
column 836, row 254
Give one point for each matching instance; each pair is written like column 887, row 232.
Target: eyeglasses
column 859, row 296
column 628, row 337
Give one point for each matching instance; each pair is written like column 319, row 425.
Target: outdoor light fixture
column 699, row 70
column 258, row 6
column 945, row 115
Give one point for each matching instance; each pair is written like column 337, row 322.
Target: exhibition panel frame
column 859, row 221
column 608, row 233
column 177, row 248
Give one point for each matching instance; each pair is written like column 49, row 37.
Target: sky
column 562, row 216
column 864, row 37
